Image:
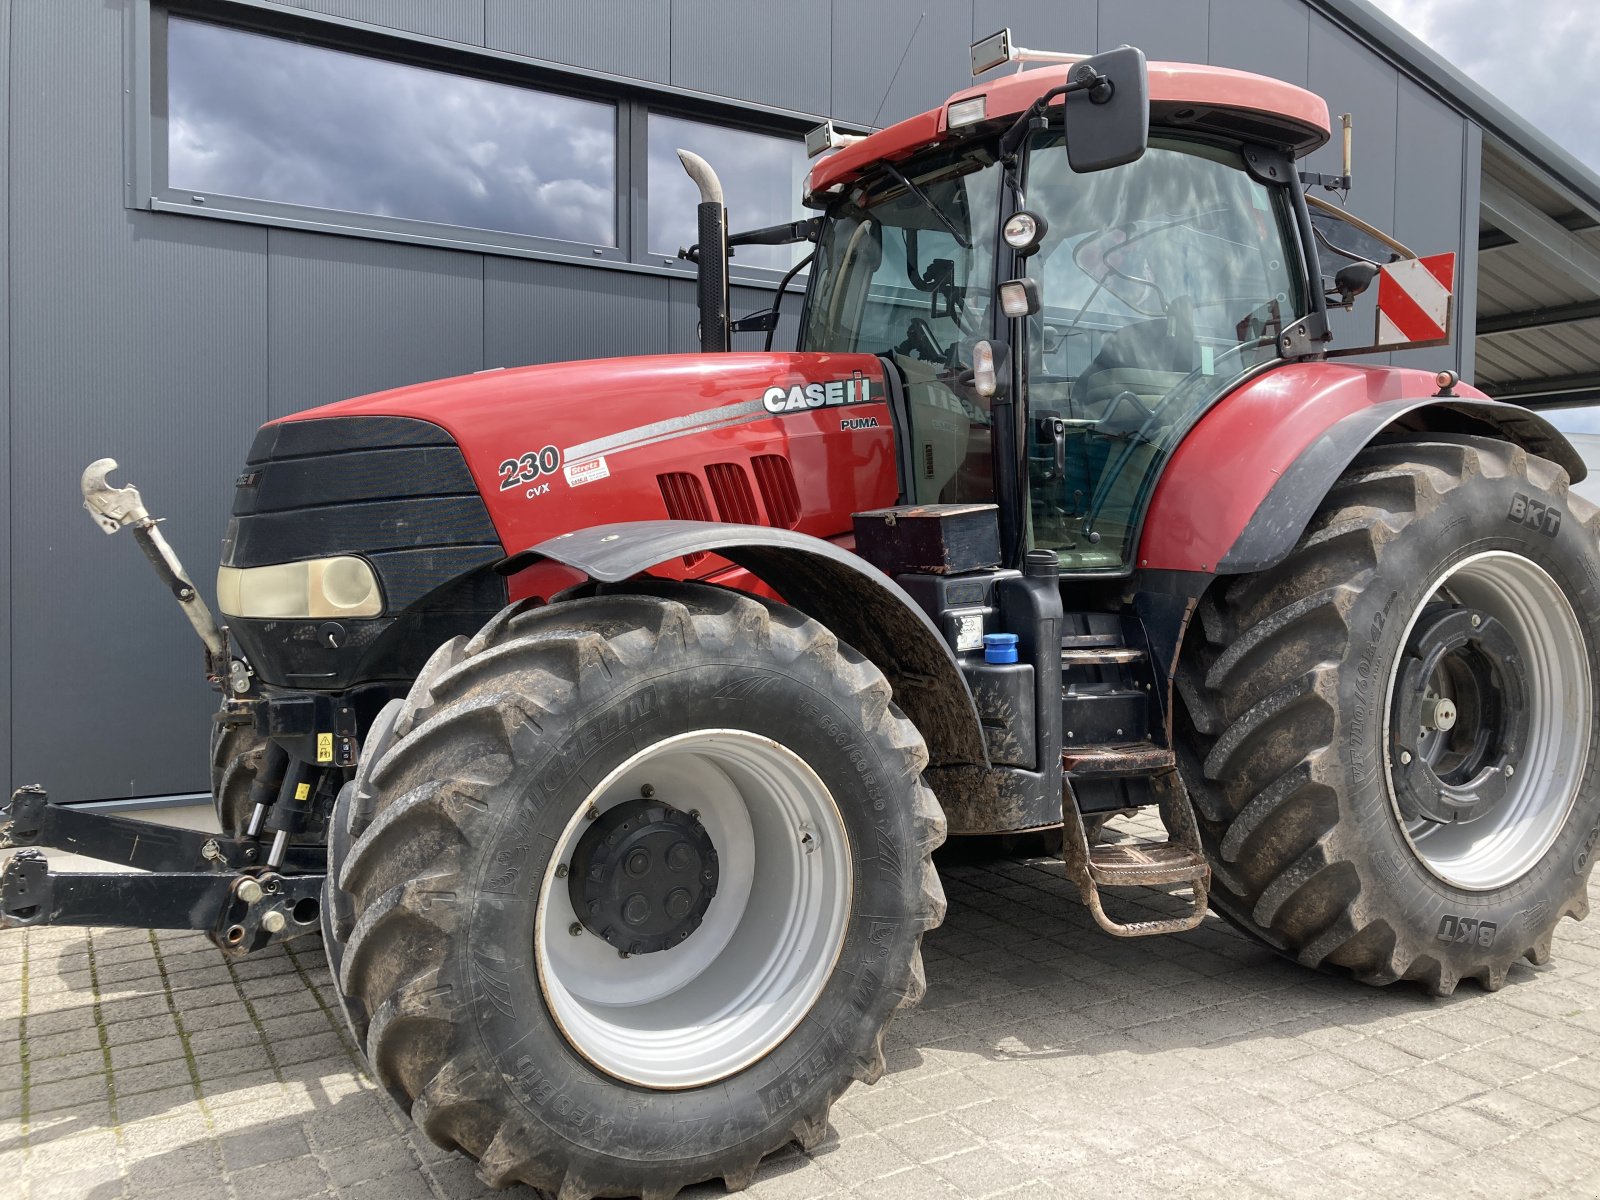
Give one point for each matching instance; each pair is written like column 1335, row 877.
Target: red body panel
column 615, row 425
column 1170, row 84
column 1222, row 471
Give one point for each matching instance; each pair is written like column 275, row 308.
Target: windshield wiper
column 893, row 173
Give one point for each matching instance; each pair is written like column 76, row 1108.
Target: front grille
column 394, row 490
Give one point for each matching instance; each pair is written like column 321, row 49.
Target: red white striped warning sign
column 1414, row 300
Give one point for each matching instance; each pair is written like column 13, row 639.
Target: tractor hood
column 797, row 441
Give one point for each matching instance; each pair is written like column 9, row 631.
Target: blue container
column 1000, row 647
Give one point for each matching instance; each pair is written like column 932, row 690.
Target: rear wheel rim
column 1550, row 759
column 740, row 983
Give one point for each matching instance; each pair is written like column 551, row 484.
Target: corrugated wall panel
column 626, row 37
column 896, row 58
column 1271, row 37
column 1427, row 197
column 757, row 50
column 547, row 312
column 1354, row 80
column 143, row 337
column 1175, row 31
column 350, row 316
column 457, row 20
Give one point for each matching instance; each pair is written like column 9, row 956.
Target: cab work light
column 317, row 587
column 966, row 112
column 990, row 364
column 1019, row 297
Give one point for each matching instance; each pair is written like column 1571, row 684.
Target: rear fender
column 1243, row 485
column 1288, row 508
column 861, row 605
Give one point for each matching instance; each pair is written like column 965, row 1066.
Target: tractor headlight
column 318, row 587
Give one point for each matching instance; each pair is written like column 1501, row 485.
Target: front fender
column 861, row 605
column 1244, row 484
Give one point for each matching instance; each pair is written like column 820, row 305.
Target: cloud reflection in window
column 761, row 175
column 269, row 119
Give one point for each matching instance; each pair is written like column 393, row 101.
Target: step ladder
column 1178, row 861
column 1109, row 717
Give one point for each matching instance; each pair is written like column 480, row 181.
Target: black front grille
column 393, row 490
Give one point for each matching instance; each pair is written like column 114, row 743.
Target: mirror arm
column 1085, row 79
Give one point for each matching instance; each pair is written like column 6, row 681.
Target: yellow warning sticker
column 324, row 747
column 302, row 792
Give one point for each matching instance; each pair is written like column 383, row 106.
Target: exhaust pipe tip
column 699, row 170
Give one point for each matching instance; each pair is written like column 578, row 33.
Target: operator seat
column 1136, row 367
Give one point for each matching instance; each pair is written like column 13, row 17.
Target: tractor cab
column 1157, row 285
column 1122, row 290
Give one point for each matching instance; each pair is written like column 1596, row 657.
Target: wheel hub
column 643, row 875
column 1460, row 716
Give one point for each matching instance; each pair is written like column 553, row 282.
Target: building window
column 279, row 122
column 762, row 177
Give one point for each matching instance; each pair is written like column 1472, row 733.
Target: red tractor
column 604, row 716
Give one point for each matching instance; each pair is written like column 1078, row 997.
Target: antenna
column 874, row 122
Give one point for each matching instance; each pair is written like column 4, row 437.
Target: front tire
column 515, row 979
column 1393, row 737
column 235, row 758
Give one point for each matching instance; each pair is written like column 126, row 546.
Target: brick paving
column 1048, row 1060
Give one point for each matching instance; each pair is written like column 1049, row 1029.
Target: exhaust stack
column 712, row 259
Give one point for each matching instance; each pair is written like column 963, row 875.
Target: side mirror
column 1108, row 122
column 1354, row 279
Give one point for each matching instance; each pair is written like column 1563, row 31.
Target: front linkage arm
column 112, row 508
column 186, row 879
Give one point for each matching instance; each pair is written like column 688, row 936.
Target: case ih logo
column 835, row 393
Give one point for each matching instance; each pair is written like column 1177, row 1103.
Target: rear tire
column 1300, row 691
column 540, row 1052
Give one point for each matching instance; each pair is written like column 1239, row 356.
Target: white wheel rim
column 1510, row 840
column 739, row 984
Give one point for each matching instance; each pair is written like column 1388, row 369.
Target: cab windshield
column 1163, row 282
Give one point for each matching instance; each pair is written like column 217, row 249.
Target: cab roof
column 1253, row 108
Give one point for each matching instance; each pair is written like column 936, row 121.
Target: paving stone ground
column 1047, row 1060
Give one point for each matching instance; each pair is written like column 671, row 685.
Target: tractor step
column 1147, row 864
column 1133, row 758
column 1099, row 656
column 1177, row 862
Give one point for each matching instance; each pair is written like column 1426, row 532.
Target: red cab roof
column 1252, row 107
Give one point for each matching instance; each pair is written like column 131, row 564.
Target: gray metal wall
column 166, row 339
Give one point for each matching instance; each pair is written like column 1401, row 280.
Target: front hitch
column 111, row 509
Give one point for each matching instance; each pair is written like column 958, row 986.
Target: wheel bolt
column 1438, row 714
column 575, row 929
column 647, row 790
column 561, row 871
column 1405, row 758
column 593, row 814
column 1476, row 620
column 1510, row 770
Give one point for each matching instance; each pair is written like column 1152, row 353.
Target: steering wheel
column 921, row 342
